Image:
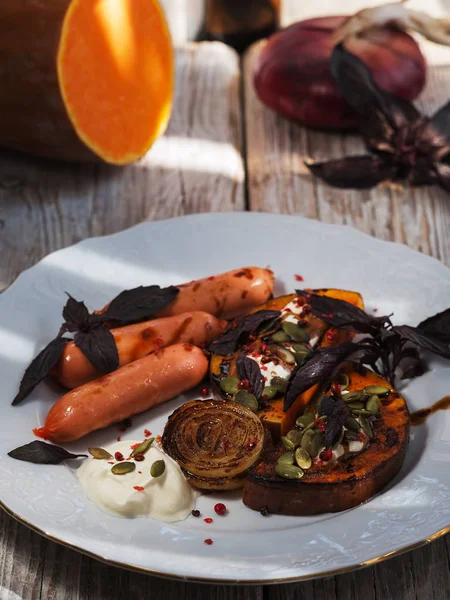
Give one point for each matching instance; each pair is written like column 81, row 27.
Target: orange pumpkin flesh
column 115, row 69
column 84, row 80
column 273, row 416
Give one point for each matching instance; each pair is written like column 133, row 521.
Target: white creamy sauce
column 270, row 369
column 353, row 447
column 166, row 498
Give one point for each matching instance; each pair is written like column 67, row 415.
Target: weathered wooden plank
column 278, row 181
column 196, row 166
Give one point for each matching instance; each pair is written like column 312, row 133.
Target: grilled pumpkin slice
column 341, row 483
column 273, row 416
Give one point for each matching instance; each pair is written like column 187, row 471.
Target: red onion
column 292, row 74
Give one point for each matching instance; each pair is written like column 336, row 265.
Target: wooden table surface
column 223, row 151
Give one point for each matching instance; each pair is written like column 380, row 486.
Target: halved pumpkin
column 340, row 484
column 273, row 415
column 84, row 79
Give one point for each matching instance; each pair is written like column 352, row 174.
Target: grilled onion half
column 215, row 442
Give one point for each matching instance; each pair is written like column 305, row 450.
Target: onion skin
column 292, row 75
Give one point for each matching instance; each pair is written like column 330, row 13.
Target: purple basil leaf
column 423, row 340
column 249, row 369
column 137, row 304
column 75, row 314
column 441, row 120
column 40, row 367
column 352, row 172
column 336, row 412
column 343, row 315
column 411, row 363
column 356, row 84
column 237, row 332
column 438, row 326
column 319, row 368
column 41, row 453
column 100, row 348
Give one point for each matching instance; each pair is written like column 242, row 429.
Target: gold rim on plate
column 293, row 579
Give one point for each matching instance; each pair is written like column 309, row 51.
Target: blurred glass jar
column 239, row 23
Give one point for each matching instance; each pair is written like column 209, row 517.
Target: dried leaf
column 249, row 369
column 441, row 120
column 352, row 172
column 100, row 348
column 40, row 367
column 41, row 453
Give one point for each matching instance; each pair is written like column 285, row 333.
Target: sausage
column 135, row 341
column 130, row 390
column 226, row 296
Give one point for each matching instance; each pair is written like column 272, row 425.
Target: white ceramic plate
column 247, row 546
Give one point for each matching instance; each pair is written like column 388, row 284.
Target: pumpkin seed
column 317, row 442
column 305, row 420
column 288, row 471
column 280, row 336
column 300, row 358
column 247, row 399
column 287, row 443
column 338, row 438
column 143, row 448
column 287, row 458
column 279, row 383
column 285, row 355
column 306, row 441
column 121, row 468
column 352, row 424
column 356, row 405
column 296, row 333
column 301, row 348
column 99, row 453
column 269, row 392
column 295, row 436
column 353, row 396
column 362, row 412
column 373, row 404
column 342, row 380
column 365, row 426
column 157, row 468
column 379, row 390
column 229, row 385
column 303, row 459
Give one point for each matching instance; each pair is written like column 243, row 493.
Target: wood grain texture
column 196, row 166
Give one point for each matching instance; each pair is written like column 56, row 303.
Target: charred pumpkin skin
column 33, row 117
column 277, row 421
column 343, row 484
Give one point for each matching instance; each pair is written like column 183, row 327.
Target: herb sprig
column 91, row 332
column 386, row 348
